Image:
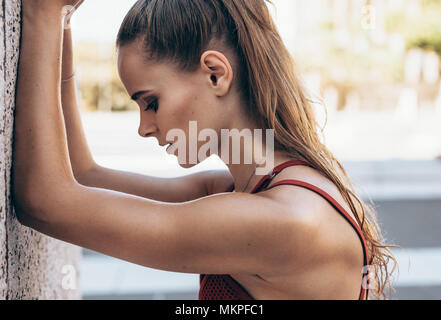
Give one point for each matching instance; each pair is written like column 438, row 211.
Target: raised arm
column 89, row 173
column 225, row 233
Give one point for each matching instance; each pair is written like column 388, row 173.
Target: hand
column 58, row 8
column 45, row 4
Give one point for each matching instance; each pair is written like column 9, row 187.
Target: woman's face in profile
column 169, row 99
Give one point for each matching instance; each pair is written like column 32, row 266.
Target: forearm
column 41, row 160
column 174, row 190
column 79, row 152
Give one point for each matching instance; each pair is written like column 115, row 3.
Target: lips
column 167, row 147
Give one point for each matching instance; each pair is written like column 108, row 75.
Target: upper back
column 337, row 242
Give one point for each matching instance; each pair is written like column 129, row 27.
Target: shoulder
column 305, row 198
column 320, row 230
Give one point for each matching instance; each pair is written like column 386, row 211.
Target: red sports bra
column 224, row 287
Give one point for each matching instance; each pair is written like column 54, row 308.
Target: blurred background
column 375, row 65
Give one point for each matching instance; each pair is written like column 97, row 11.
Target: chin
column 187, row 165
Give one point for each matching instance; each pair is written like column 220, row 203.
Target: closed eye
column 152, row 105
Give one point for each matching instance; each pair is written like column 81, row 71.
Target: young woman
column 299, row 232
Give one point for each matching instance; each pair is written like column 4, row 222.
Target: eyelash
column 152, row 105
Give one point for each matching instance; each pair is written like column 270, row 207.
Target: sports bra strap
column 266, row 180
column 263, row 184
column 364, row 292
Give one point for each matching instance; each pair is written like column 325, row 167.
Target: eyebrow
column 136, row 95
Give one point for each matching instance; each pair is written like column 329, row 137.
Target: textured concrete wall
column 32, row 266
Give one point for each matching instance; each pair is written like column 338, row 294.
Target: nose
column 146, row 131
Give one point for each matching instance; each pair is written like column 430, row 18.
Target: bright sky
column 99, row 20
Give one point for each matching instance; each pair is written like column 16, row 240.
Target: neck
column 246, row 164
column 245, row 175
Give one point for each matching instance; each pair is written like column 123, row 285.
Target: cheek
column 184, row 105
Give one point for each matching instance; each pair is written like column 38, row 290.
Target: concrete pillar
column 32, row 265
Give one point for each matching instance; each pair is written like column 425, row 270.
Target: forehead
column 129, row 54
column 131, row 62
column 136, row 72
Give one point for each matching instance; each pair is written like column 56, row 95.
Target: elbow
column 36, row 204
column 86, row 176
column 25, row 218
column 28, row 208
column 31, row 219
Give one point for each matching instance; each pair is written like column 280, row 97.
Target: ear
column 218, row 71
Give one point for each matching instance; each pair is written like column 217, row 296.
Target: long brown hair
column 179, row 31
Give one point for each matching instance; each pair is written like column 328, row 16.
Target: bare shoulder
column 304, row 198
column 328, row 234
